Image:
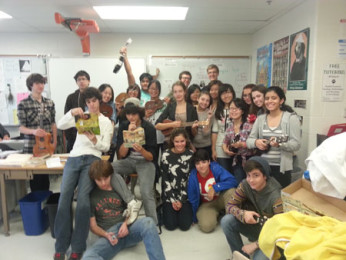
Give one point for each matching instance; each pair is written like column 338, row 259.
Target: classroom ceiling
column 203, row 17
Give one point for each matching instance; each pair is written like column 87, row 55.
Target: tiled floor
column 178, row 245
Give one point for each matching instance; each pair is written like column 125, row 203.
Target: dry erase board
column 13, row 73
column 233, row 70
column 62, row 71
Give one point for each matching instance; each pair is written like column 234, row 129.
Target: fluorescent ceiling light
column 141, row 12
column 5, row 15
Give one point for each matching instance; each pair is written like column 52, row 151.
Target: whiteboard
column 62, row 71
column 14, row 71
column 233, row 70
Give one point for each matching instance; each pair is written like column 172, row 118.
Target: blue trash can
column 34, row 212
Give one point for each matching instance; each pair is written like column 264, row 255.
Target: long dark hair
column 220, row 104
column 134, row 87
column 190, row 90
column 158, row 85
column 253, row 108
column 281, row 95
column 240, row 103
column 103, row 88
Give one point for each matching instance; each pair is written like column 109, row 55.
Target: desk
column 19, row 173
column 22, row 173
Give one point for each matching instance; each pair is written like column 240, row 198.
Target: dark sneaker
column 59, row 256
column 75, row 256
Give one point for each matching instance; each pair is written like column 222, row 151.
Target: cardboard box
column 300, row 196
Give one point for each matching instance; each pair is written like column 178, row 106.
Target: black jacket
column 169, row 113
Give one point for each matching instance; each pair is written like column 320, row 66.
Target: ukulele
column 261, row 220
column 43, row 145
column 106, row 110
column 168, row 131
column 278, row 139
column 120, row 99
column 153, row 105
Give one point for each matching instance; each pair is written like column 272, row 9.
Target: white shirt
column 82, row 145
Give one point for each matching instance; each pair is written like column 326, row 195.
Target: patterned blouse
column 175, row 169
column 230, row 135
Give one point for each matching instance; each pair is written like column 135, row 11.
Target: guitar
column 278, row 139
column 167, row 132
column 43, row 145
column 106, row 110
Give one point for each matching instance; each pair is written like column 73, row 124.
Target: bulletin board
column 234, row 70
column 13, row 73
column 62, row 71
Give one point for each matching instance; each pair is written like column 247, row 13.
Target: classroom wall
column 322, row 17
column 67, row 45
column 108, row 44
column 324, row 114
column 301, row 17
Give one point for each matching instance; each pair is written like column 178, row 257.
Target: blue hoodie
column 224, row 181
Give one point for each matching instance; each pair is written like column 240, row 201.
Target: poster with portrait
column 280, row 63
column 263, row 68
column 299, row 54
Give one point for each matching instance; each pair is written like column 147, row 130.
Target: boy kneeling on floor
column 109, row 220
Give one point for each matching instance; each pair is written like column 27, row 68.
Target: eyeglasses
column 187, row 78
column 234, row 109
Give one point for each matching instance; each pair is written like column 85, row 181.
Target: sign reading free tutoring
column 333, row 82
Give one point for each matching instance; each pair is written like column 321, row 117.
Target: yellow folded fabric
column 304, row 237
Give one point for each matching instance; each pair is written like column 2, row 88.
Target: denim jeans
column 146, row 178
column 232, row 228
column 75, row 174
column 142, row 229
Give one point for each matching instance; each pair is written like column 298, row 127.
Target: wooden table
column 22, row 173
column 19, row 173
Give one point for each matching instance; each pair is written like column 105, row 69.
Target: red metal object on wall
column 81, row 27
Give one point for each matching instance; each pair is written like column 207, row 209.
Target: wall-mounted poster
column 264, row 63
column 280, row 63
column 299, row 52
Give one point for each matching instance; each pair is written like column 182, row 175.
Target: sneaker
column 239, row 256
column 59, row 256
column 132, row 211
column 75, row 256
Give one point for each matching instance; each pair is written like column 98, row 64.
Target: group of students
column 204, row 143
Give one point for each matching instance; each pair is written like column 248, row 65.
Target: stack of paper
column 15, row 160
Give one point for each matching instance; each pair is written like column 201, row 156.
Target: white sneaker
column 239, row 256
column 132, row 211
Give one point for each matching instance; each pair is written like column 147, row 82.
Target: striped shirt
column 241, row 195
column 273, row 156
